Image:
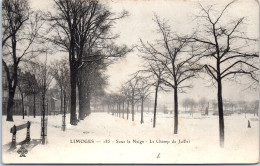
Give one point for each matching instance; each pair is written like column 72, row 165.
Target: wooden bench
column 15, row 128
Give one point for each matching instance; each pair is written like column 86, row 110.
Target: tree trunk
column 123, row 110
column 34, row 105
column 22, row 105
column 43, row 105
column 87, row 101
column 11, row 87
column 81, row 95
column 80, row 116
column 10, row 105
column 155, row 105
column 142, row 111
column 64, row 103
column 73, row 81
column 119, row 109
column 82, row 102
column 176, row 111
column 47, row 108
column 61, row 99
column 127, row 114
column 12, row 83
column 113, row 110
column 221, row 115
column 133, row 109
column 43, row 113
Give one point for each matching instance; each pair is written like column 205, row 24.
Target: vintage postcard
column 130, row 82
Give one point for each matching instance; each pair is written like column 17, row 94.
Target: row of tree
column 133, row 93
column 192, row 106
column 119, row 105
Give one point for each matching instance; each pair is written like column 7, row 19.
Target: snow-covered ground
column 201, row 133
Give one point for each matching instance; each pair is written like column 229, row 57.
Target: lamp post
column 63, row 128
column 44, row 99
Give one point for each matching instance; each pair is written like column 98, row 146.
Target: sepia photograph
column 130, row 82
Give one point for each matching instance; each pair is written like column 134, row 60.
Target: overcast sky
column 180, row 13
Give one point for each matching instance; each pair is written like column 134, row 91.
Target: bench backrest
column 14, row 129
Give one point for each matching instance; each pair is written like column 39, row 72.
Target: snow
column 241, row 143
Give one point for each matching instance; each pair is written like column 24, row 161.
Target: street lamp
column 63, row 127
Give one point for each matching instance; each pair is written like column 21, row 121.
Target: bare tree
column 14, row 15
column 202, row 102
column 226, row 50
column 185, row 103
column 132, row 84
column 192, row 106
column 125, row 93
column 143, row 90
column 27, row 85
column 255, row 107
column 44, row 79
column 60, row 72
column 174, row 54
column 20, row 31
column 115, row 100
column 153, row 72
column 189, row 103
column 21, row 86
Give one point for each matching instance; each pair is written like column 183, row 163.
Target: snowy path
column 201, row 133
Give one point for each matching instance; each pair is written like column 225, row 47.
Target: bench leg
column 13, row 144
column 28, row 139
